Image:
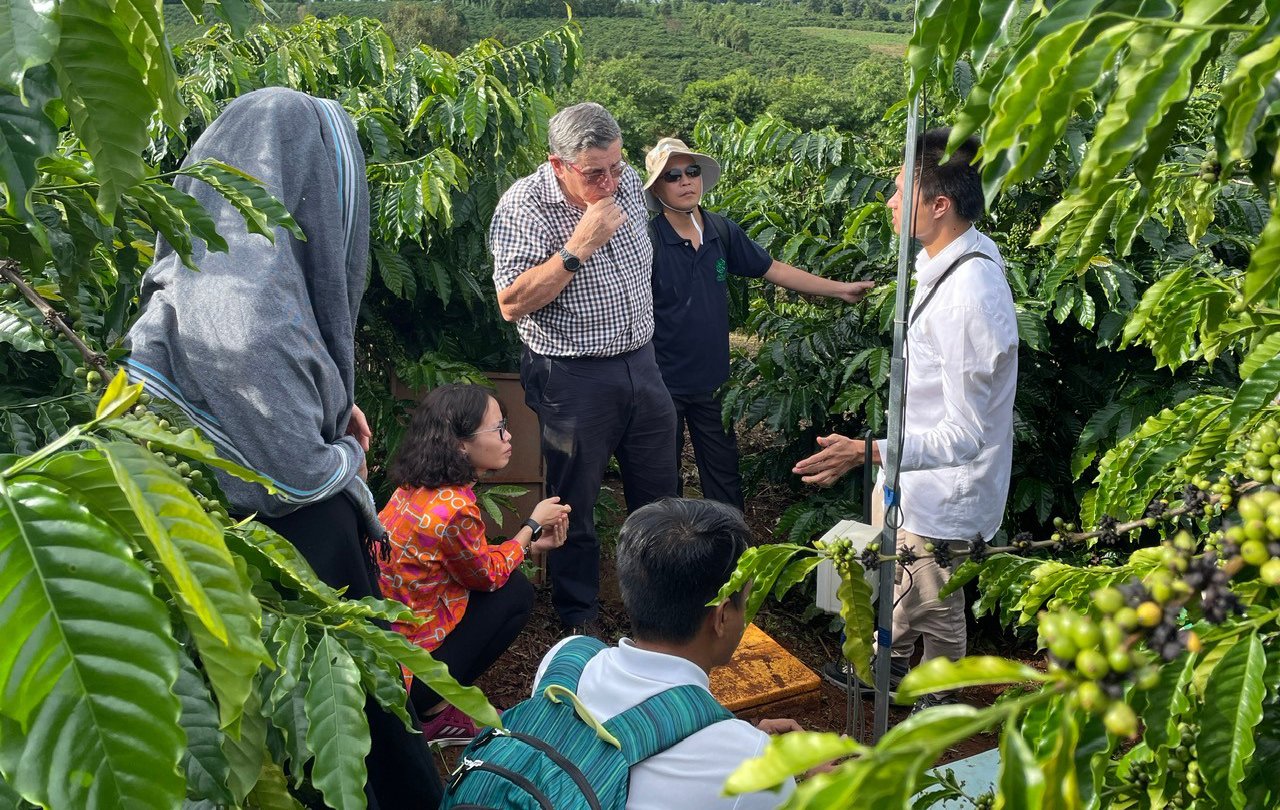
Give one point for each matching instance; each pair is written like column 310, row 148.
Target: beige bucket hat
column 656, row 163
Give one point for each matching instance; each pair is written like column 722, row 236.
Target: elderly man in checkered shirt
column 572, row 266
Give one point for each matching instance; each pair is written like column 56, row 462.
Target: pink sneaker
column 449, row 727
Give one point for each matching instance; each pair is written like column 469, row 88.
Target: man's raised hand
column 838, row 455
column 853, row 291
column 601, row 221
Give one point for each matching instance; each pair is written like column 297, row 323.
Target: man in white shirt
column 962, row 370
column 673, row 557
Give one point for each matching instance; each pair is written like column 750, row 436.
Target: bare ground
column 510, row 680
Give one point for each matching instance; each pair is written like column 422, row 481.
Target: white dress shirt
column 962, row 371
column 692, row 772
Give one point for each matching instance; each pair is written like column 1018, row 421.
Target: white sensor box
column 828, row 580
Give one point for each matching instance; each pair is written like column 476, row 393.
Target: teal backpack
column 553, row 755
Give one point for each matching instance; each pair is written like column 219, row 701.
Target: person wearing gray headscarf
column 258, row 350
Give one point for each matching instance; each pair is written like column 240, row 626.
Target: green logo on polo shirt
column 720, row 269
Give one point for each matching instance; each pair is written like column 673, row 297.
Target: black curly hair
column 430, row 455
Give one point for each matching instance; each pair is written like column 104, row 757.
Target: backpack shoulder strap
column 665, row 719
column 976, row 254
column 566, row 665
column 721, row 226
column 653, row 232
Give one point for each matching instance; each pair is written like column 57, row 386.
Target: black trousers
column 401, row 772
column 714, row 449
column 491, row 622
column 591, row 408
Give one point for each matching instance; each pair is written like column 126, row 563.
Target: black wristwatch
column 570, row 261
column 534, row 527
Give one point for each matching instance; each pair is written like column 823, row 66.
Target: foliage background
column 1136, row 213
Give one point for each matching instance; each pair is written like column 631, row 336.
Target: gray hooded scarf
column 258, row 347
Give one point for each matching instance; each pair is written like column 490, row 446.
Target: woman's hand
column 549, row 511
column 553, row 517
column 552, row 538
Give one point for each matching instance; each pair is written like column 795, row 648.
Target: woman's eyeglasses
column 501, row 430
column 673, row 176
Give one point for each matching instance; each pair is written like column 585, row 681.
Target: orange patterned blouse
column 438, row 556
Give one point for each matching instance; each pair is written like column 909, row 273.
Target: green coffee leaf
column 789, row 755
column 88, row 663
column 262, row 212
column 1233, row 706
column 940, row 674
column 337, row 729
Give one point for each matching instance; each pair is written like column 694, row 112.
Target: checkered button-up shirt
column 607, row 309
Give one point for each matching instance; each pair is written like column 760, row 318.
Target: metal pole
column 897, row 380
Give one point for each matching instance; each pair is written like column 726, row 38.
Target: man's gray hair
column 581, row 127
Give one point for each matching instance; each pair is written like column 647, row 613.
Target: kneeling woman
column 471, row 597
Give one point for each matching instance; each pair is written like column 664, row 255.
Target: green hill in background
column 658, row 67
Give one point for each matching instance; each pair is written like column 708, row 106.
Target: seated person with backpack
column 694, row 253
column 635, row 725
column 470, row 596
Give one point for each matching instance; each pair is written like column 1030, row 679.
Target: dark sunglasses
column 673, row 176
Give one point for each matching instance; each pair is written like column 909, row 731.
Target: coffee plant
column 1173, row 251
column 443, row 137
column 1151, row 132
column 442, row 134
column 156, row 651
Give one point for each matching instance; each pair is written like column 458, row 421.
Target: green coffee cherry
column 1092, row 664
column 1108, row 600
column 1085, row 633
column 1092, row 698
column 1126, row 618
column 1255, row 551
column 1120, row 720
column 1270, row 571
column 1119, row 661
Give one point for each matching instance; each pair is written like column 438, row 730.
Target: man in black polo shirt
column 693, row 255
column 572, row 263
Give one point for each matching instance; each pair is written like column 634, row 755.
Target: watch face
column 571, row 262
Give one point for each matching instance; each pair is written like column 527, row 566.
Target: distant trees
column 440, row 25
column 649, row 107
column 722, row 27
column 555, row 8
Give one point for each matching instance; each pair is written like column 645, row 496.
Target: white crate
column 828, row 580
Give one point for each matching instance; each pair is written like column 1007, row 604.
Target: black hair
column 958, row 179
column 674, row 555
column 431, row 454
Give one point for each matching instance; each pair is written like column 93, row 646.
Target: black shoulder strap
column 722, row 227
column 945, row 273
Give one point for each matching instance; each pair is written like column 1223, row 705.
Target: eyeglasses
column 673, row 176
column 597, row 176
column 501, row 430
